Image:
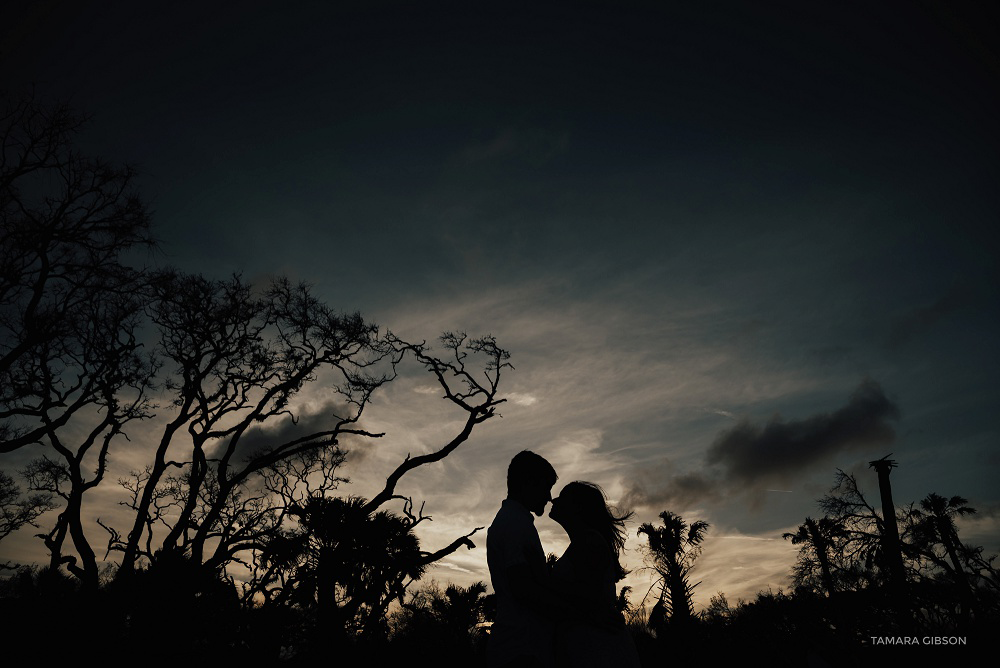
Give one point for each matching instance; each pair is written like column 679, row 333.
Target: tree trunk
column 890, row 537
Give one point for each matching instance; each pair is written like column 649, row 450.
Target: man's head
column 530, row 478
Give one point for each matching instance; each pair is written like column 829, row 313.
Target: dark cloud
column 284, row 430
column 676, row 491
column 914, row 322
column 749, row 453
column 749, row 457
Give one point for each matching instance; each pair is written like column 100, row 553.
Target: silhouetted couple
column 565, row 615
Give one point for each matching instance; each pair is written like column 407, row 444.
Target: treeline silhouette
column 234, row 540
column 173, row 597
column 862, row 584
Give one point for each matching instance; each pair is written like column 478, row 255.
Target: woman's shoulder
column 593, row 550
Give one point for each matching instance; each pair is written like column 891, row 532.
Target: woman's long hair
column 590, row 503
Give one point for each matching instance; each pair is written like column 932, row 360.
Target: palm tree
column 456, row 612
column 447, row 625
column 673, row 549
column 932, row 525
column 935, row 523
column 346, row 563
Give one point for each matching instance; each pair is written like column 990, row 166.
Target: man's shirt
column 518, row 631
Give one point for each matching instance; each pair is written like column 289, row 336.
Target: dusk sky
column 731, row 248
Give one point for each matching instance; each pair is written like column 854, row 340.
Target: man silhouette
column 521, row 635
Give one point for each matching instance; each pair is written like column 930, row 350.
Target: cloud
column 740, row 565
column 310, row 419
column 522, row 399
column 982, row 529
column 752, row 458
column 677, row 491
column 750, row 453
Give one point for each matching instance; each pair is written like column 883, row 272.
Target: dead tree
column 891, row 552
column 350, row 558
column 818, row 539
column 73, row 374
column 235, row 359
column 475, row 391
column 18, row 511
column 66, row 221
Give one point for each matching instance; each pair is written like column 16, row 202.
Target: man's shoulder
column 512, row 525
column 503, row 521
column 512, row 516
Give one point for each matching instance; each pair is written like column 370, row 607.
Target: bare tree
column 475, row 391
column 234, row 359
column 892, row 554
column 17, row 511
column 858, row 550
column 946, row 583
column 819, row 540
column 73, row 373
column 66, row 223
column 349, row 558
column 90, row 348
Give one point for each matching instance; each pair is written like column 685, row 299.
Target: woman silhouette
column 587, row 572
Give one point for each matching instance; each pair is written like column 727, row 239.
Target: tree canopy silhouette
column 946, row 584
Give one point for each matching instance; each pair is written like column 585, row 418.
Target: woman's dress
column 585, row 572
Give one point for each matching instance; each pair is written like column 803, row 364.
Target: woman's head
column 583, row 504
column 580, row 502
